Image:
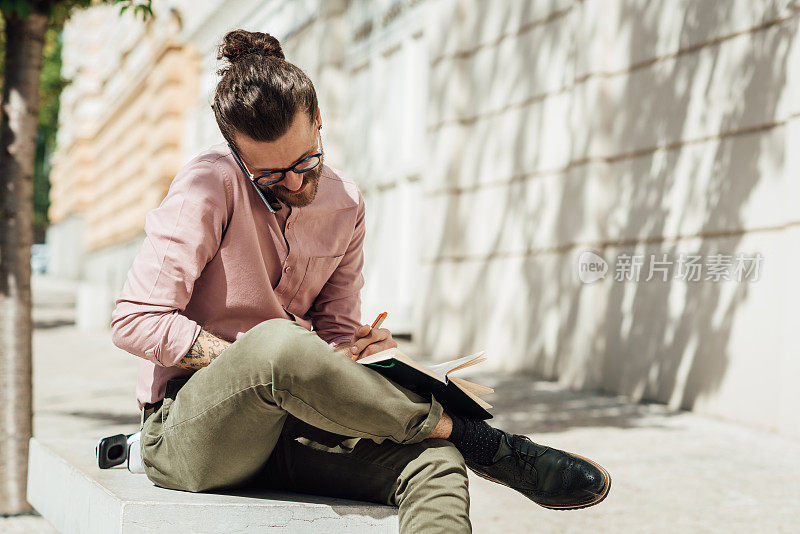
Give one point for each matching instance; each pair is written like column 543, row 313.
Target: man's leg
column 426, row 480
column 224, row 422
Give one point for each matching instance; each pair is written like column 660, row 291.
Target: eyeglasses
column 304, row 165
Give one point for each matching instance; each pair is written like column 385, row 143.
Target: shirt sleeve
column 181, row 236
column 336, row 312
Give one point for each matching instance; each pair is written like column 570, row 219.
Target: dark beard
column 311, row 182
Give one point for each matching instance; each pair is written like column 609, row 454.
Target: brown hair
column 260, row 92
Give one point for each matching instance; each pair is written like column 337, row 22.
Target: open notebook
column 454, row 393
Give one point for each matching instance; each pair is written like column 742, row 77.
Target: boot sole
column 599, row 498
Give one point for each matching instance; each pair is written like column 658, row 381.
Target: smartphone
column 273, row 204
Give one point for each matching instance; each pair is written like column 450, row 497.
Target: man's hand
column 367, row 340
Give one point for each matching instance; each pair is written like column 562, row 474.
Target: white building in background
column 494, row 142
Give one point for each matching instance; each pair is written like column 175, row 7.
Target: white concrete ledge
column 67, row 488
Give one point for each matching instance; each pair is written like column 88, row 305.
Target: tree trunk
column 18, row 124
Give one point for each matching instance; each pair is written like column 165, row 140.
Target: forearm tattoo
column 203, row 351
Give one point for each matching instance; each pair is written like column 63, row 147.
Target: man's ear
column 318, row 118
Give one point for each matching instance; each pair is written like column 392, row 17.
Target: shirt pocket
column 318, row 270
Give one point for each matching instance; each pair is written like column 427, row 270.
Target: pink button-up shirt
column 215, row 257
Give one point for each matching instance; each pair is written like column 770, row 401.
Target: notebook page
column 444, row 367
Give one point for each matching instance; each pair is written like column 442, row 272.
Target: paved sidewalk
column 672, row 471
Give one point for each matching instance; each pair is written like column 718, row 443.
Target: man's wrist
column 343, row 347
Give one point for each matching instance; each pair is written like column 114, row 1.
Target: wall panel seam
column 615, row 158
column 601, row 245
column 527, row 101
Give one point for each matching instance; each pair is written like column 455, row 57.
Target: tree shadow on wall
column 631, row 342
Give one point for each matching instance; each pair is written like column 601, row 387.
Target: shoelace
column 528, row 460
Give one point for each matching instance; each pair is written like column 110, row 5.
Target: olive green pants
column 280, row 409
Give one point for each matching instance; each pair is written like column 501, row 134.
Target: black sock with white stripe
column 475, row 439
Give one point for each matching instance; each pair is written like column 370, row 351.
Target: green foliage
column 50, row 86
column 59, row 10
column 21, row 7
column 145, row 10
column 2, row 50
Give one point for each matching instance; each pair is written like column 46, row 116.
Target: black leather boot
column 549, row 477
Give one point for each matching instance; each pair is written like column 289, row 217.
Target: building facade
column 495, row 143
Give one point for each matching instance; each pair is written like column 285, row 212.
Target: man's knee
column 277, row 328
column 278, row 342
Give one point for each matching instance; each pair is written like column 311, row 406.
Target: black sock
column 475, row 439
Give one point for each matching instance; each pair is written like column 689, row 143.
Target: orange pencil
column 379, row 320
column 376, row 324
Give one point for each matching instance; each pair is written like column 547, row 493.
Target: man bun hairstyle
column 239, row 43
column 259, row 92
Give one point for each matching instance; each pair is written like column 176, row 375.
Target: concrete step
column 67, row 488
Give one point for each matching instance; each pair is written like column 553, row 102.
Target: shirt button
column 287, row 268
